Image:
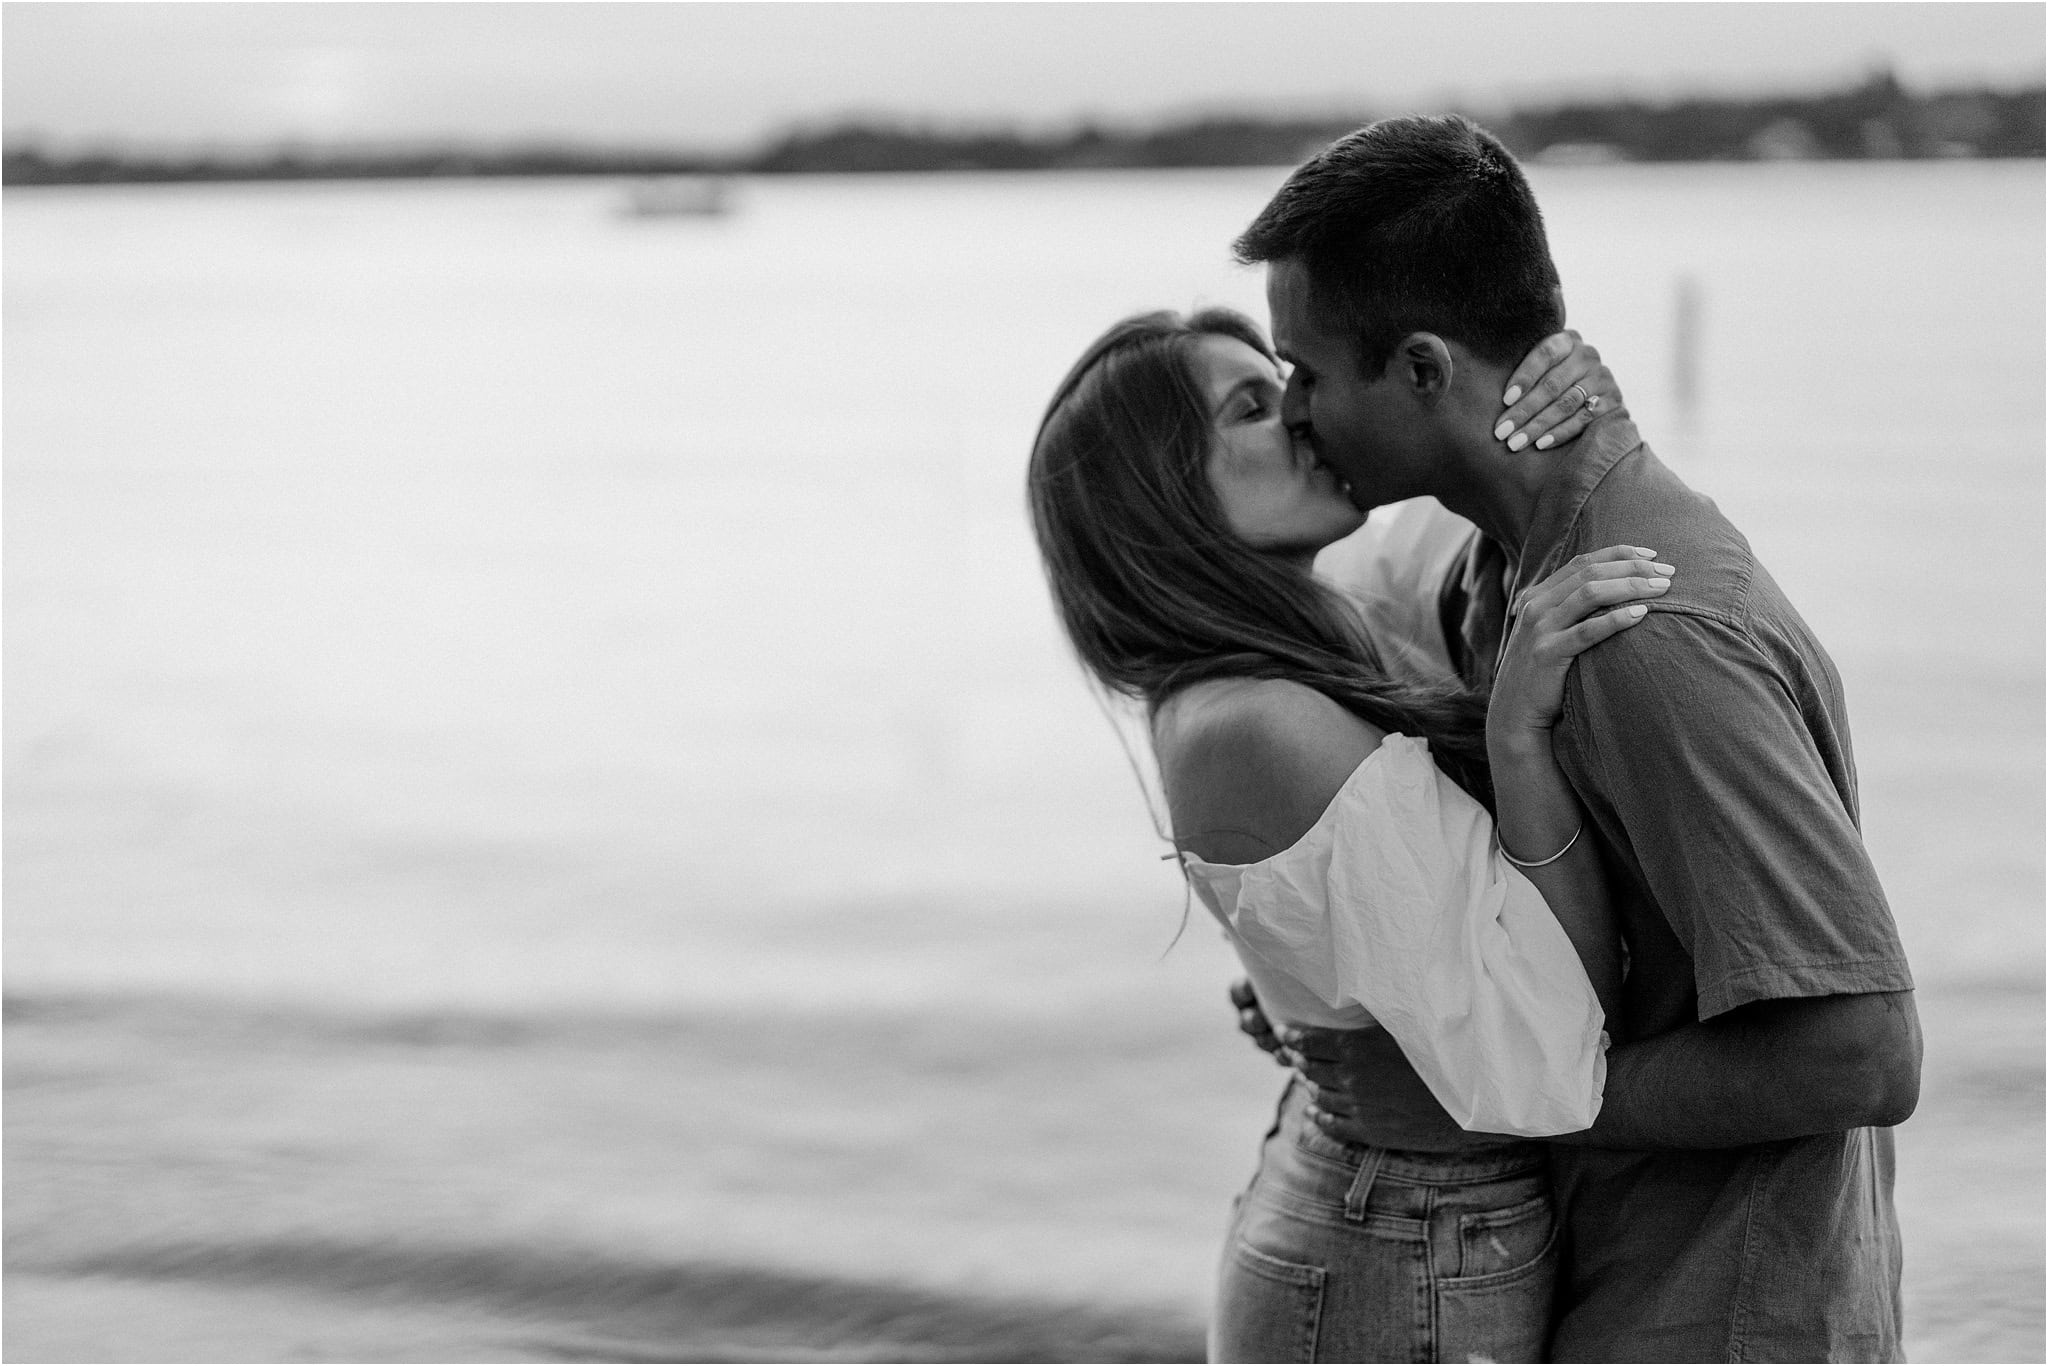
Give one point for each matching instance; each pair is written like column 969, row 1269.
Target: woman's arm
column 1537, row 814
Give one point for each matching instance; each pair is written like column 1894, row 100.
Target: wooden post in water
column 1685, row 349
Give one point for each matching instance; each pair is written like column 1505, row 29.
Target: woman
column 1334, row 817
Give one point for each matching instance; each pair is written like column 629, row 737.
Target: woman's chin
column 1307, row 546
column 1342, row 524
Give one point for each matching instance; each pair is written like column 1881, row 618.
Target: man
column 1733, row 1201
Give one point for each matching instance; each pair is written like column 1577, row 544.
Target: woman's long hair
column 1154, row 590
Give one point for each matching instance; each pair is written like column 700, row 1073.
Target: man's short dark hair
column 1416, row 225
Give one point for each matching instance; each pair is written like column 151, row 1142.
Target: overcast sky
column 721, row 76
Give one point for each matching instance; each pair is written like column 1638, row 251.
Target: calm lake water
column 463, row 594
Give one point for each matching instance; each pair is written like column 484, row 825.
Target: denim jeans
column 1338, row 1252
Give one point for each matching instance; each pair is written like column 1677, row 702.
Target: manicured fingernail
column 1646, row 554
column 1659, row 583
column 1661, row 568
column 1511, row 395
column 1500, row 433
column 1519, row 440
column 1543, row 442
column 1637, row 610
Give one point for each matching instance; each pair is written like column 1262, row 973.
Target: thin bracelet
column 1538, row 863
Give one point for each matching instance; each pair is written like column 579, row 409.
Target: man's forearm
column 1769, row 1071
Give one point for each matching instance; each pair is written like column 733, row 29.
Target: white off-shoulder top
column 1397, row 909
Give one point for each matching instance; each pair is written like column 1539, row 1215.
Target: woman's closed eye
column 1256, row 402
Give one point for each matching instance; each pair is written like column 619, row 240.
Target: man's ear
column 1425, row 365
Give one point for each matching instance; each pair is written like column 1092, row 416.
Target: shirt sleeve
column 1705, row 773
column 1407, row 910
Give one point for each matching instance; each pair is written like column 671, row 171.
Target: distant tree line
column 32, row 166
column 1878, row 119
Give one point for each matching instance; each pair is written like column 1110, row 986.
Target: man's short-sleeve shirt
column 1710, row 746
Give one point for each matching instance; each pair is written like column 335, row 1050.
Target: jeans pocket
column 1498, row 1242
column 1501, row 1311
column 1266, row 1309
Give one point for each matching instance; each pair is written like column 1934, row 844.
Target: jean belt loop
column 1361, row 1185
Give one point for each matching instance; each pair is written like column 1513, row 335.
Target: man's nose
column 1294, row 406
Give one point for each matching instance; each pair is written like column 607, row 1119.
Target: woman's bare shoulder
column 1250, row 765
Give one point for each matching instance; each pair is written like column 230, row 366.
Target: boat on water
column 678, row 196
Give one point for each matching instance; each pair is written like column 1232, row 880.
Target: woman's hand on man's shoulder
column 1250, row 765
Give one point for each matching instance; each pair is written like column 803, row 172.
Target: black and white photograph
column 1024, row 681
